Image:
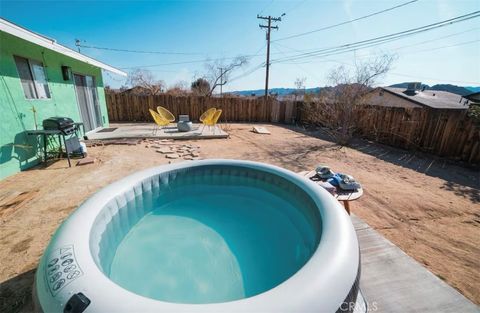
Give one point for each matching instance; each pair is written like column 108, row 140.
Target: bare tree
column 178, row 89
column 300, row 85
column 218, row 72
column 337, row 105
column 145, row 80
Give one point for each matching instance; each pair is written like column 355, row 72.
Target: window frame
column 34, row 79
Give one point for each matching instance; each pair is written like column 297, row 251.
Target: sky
column 197, row 31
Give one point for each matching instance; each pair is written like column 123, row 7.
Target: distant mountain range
column 473, row 89
column 459, row 90
column 462, row 91
column 278, row 91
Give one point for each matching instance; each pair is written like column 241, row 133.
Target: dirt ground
column 426, row 206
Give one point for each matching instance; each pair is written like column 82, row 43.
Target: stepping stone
column 261, row 130
column 172, row 156
column 165, row 150
column 85, row 161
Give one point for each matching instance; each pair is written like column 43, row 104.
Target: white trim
column 52, row 44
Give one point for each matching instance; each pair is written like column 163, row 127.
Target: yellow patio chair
column 213, row 121
column 166, row 114
column 160, row 121
column 206, row 117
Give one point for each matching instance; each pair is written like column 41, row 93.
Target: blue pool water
column 210, row 242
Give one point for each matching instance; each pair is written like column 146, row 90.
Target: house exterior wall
column 389, row 100
column 17, row 150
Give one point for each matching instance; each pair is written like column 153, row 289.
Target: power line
column 448, row 46
column 296, row 6
column 251, row 71
column 411, row 52
column 139, row 51
column 420, row 77
column 386, row 38
column 256, row 54
column 165, row 64
column 393, row 49
column 268, row 4
column 347, row 22
column 276, row 46
column 435, row 39
column 380, row 40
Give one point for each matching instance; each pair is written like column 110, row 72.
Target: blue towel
column 335, row 180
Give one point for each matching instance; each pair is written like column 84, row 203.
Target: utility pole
column 221, row 82
column 77, row 43
column 269, row 28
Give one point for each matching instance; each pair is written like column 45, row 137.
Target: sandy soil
column 427, row 207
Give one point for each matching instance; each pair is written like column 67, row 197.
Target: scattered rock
column 172, row 156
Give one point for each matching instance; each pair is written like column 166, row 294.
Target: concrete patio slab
column 392, row 281
column 145, row 130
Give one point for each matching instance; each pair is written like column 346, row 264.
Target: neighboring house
column 473, row 97
column 40, row 78
column 412, row 97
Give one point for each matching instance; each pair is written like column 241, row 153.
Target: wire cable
column 346, row 22
column 268, row 4
column 140, row 51
column 394, row 49
column 380, row 40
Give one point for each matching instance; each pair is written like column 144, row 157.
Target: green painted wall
column 17, row 150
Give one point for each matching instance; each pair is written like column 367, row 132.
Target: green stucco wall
column 17, row 150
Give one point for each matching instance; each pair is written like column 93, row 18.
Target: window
column 32, row 78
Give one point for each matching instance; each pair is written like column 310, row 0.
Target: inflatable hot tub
column 203, row 236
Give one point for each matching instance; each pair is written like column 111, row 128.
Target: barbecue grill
column 64, row 124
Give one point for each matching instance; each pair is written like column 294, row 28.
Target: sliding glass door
column 87, row 99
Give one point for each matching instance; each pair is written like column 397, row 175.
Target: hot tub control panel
column 62, row 268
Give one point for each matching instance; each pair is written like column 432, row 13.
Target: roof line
column 405, row 97
column 401, row 95
column 49, row 43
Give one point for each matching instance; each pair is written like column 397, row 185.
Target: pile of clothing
column 331, row 180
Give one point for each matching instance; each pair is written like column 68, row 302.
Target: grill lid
column 57, row 122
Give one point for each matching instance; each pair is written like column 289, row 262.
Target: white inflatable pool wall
column 75, row 251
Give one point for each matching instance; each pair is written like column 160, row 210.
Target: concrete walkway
column 391, row 281
column 144, row 130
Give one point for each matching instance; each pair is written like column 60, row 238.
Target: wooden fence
column 447, row 133
column 132, row 108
